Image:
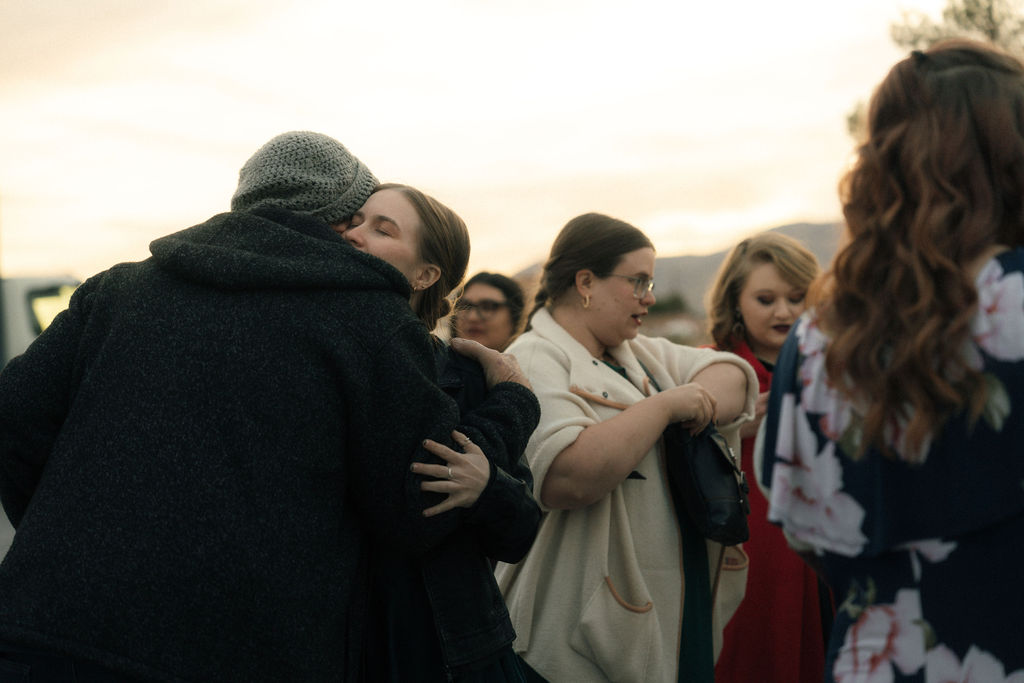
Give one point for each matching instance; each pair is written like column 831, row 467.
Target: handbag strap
column 649, row 376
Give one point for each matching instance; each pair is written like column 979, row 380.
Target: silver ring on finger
column 450, row 475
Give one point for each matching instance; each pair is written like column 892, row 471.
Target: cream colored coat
column 599, row 597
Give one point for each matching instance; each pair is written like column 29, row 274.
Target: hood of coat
column 272, row 248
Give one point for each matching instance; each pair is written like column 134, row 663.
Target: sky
column 700, row 123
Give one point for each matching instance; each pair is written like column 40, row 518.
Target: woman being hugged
column 439, row 616
column 600, row 596
column 215, row 437
column 892, row 441
column 776, row 635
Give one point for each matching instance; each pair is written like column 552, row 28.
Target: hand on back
column 498, row 367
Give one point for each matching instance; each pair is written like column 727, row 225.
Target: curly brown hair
column 939, row 180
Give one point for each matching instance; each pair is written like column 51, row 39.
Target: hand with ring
column 463, row 477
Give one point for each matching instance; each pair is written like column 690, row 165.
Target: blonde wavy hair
column 796, row 264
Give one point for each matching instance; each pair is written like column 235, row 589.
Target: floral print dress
column 926, row 561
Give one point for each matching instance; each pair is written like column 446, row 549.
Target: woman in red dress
column 777, row 635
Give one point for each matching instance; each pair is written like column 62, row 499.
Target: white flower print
column 942, row 666
column 934, row 550
column 998, row 327
column 806, row 492
column 818, row 395
column 882, row 637
column 837, row 421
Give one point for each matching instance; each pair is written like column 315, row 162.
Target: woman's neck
column 572, row 320
column 763, row 353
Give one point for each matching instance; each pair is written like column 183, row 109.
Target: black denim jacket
column 472, row 622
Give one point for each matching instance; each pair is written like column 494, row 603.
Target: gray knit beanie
column 307, row 173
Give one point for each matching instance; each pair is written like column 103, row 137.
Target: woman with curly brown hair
column 776, row 635
column 892, row 443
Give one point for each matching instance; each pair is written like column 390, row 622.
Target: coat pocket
column 618, row 631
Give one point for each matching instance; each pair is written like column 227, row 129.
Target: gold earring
column 737, row 326
column 586, row 301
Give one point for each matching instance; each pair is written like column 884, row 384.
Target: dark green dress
column 696, row 650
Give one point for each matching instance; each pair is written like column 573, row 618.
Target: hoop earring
column 737, row 327
column 586, row 301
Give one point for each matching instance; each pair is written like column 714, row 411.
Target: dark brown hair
column 592, row 242
column 510, row 288
column 939, row 179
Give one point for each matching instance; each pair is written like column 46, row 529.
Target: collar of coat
column 591, row 378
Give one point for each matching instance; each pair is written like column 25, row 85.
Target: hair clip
column 919, row 57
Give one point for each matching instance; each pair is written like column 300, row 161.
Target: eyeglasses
column 484, row 308
column 642, row 286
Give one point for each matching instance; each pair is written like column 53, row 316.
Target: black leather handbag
column 707, row 483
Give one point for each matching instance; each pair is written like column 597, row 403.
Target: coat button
column 605, row 394
column 594, row 362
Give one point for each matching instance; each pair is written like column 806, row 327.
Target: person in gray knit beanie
column 255, row 393
column 307, row 173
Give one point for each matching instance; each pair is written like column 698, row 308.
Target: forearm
column 604, row 454
column 384, row 487
column 502, row 424
column 506, row 517
column 727, row 383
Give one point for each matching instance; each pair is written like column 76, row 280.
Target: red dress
column 776, row 634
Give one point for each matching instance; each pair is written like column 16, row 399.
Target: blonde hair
column 796, row 264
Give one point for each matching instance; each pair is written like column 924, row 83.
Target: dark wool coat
column 441, row 616
column 195, row 453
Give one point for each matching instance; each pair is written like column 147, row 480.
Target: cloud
column 122, row 120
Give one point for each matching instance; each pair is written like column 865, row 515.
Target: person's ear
column 584, row 281
column 426, row 275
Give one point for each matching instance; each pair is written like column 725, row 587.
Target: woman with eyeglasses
column 489, row 310
column 617, row 585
